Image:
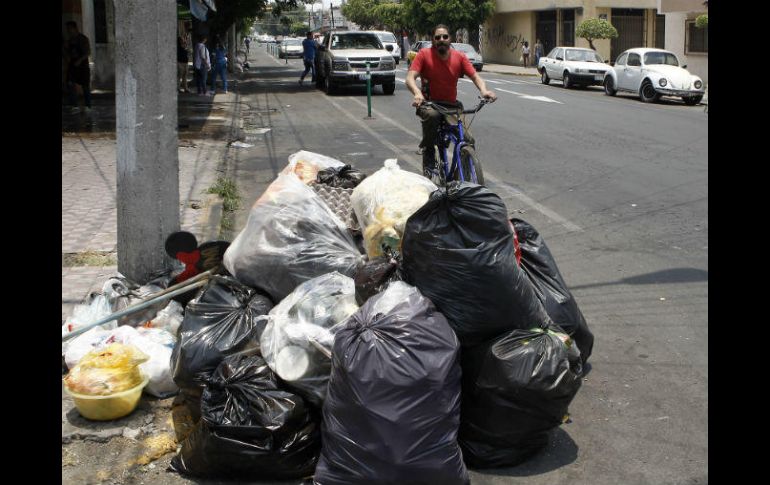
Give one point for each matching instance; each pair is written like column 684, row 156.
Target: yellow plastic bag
column 107, row 371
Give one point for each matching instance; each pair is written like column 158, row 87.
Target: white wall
column 697, row 64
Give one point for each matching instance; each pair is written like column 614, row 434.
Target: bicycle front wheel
column 468, row 159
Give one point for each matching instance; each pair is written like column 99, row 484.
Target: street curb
column 211, row 227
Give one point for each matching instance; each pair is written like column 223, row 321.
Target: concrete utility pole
column 146, row 130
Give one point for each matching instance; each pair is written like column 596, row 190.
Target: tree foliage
column 423, row 15
column 592, row 29
column 389, row 15
column 239, row 12
column 702, row 21
column 362, row 12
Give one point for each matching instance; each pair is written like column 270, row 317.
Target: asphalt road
column 619, row 191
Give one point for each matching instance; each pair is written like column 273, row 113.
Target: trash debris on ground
column 384, row 201
column 107, row 383
column 291, row 236
column 153, row 342
column 393, row 407
column 539, row 264
column 240, row 144
column 306, row 165
column 515, row 390
column 458, row 251
column 376, row 394
column 251, row 428
column 345, row 177
column 298, row 337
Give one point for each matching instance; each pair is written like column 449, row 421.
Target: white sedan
column 573, row 66
column 653, row 73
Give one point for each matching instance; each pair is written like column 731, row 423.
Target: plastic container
column 105, row 408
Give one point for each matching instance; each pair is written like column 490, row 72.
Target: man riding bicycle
column 440, row 67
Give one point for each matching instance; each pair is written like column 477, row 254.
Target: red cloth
column 442, row 75
column 190, row 261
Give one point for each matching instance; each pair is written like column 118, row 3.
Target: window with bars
column 660, row 31
column 568, row 27
column 697, row 39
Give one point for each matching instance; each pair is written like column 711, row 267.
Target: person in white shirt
column 525, row 53
column 202, row 65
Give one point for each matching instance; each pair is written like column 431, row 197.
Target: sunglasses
column 441, row 37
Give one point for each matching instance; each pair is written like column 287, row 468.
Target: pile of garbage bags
column 362, row 329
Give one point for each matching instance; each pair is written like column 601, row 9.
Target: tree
column 389, row 15
column 423, row 15
column 362, row 12
column 299, row 28
column 593, row 29
column 702, row 21
column 236, row 11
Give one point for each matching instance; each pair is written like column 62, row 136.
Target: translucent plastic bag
column 152, row 342
column 384, row 201
column 95, row 308
column 298, row 337
column 306, row 165
column 106, row 371
column 291, row 236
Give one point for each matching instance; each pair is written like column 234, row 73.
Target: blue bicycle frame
column 446, row 136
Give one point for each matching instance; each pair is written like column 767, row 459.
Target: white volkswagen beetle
column 574, row 66
column 653, row 73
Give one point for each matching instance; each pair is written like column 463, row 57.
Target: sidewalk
column 507, row 69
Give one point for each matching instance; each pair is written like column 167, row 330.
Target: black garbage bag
column 374, row 276
column 226, row 318
column 346, row 177
column 515, row 389
column 251, row 428
column 393, row 404
column 457, row 249
column 539, row 264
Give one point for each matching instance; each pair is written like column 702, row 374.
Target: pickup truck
column 341, row 60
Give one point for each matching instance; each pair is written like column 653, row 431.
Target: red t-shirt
column 442, row 75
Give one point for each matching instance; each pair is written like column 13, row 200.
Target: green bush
column 702, row 21
column 592, row 29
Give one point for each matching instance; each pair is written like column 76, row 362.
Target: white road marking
column 400, row 80
column 527, row 96
column 417, row 164
column 494, row 81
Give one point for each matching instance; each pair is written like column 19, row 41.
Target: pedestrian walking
column 78, row 70
column 525, row 53
column 308, row 57
column 539, row 52
column 182, row 60
column 201, row 64
column 247, row 41
column 220, row 67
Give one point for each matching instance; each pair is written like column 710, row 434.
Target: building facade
column 683, row 38
column 639, row 24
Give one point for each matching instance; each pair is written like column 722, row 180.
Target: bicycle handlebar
column 449, row 110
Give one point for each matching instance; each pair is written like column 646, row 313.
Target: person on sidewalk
column 247, row 41
column 525, row 53
column 78, row 70
column 220, row 68
column 201, row 64
column 182, row 59
column 308, row 57
column 440, row 67
column 538, row 52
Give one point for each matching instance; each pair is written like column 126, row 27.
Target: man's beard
column 442, row 48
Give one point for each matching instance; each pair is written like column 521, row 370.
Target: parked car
column 420, row 44
column 387, row 38
column 341, row 60
column 290, row 48
column 653, row 73
column 574, row 66
column 473, row 56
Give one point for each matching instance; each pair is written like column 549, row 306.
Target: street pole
column 368, row 91
column 147, row 158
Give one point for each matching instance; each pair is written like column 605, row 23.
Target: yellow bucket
column 105, row 408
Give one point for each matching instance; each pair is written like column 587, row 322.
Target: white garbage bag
column 384, row 201
column 306, row 165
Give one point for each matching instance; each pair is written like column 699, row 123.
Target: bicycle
column 465, row 164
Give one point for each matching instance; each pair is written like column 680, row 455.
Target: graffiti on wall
column 497, row 36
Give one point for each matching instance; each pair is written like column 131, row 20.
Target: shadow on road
column 673, row 275
column 561, row 451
